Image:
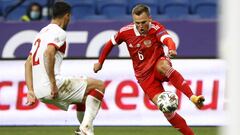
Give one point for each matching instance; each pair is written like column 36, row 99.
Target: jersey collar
column 136, row 31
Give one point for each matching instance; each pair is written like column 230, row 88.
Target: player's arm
column 106, row 50
column 49, row 62
column 167, row 40
column 31, row 99
column 115, row 40
column 171, row 47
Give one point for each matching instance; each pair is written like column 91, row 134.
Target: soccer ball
column 167, row 102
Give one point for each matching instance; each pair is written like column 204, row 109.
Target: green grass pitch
column 102, row 130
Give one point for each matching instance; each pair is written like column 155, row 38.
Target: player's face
column 142, row 22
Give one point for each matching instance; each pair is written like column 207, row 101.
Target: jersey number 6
column 140, row 55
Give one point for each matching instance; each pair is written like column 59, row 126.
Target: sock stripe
column 97, row 94
column 169, row 72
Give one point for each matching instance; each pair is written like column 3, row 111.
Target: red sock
column 180, row 124
column 97, row 94
column 178, row 82
column 80, row 107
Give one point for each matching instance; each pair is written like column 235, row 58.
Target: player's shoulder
column 126, row 28
column 55, row 29
column 156, row 25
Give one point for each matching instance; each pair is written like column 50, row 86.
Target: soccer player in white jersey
column 44, row 80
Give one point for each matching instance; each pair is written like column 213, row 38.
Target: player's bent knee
column 95, row 84
column 163, row 67
column 100, row 85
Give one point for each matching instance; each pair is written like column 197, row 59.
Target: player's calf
column 94, row 95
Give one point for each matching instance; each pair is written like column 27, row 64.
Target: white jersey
column 52, row 34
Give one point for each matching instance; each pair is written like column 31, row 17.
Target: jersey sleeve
column 162, row 33
column 105, row 51
column 58, row 39
column 165, row 38
column 117, row 38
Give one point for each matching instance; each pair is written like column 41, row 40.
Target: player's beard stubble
column 65, row 27
column 66, row 24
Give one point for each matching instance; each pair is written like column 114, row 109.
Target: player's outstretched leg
column 177, row 80
column 178, row 123
column 94, row 95
column 175, row 120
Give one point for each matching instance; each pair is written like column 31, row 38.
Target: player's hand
column 54, row 91
column 198, row 101
column 31, row 99
column 172, row 53
column 97, row 67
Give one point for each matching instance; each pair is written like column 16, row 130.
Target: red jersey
column 144, row 50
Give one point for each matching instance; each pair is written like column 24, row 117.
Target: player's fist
column 31, row 99
column 172, row 53
column 97, row 67
column 54, row 90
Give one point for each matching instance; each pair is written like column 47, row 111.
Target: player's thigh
column 152, row 89
column 73, row 89
column 95, row 84
column 163, row 64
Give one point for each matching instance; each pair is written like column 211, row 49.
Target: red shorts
column 152, row 84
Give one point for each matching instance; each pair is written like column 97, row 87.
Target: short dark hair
column 60, row 9
column 141, row 8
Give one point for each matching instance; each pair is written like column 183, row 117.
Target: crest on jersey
column 57, row 40
column 147, row 43
column 138, row 45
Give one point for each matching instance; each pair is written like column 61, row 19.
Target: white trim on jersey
column 136, row 31
column 128, row 27
column 164, row 37
column 113, row 40
column 156, row 27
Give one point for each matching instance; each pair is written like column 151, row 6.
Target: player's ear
column 66, row 15
column 69, row 14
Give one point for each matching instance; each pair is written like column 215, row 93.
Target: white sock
column 92, row 107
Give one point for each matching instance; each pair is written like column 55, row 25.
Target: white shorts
column 71, row 91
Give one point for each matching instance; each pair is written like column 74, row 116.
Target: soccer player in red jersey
column 145, row 39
